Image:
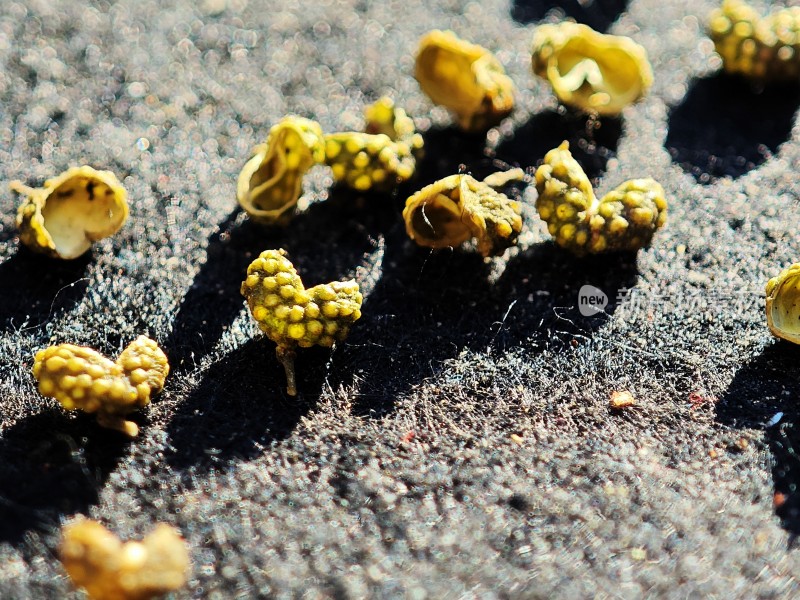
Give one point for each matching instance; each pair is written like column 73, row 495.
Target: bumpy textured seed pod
column 783, row 304
column 624, row 219
column 82, row 379
column 108, row 569
column 271, row 182
column 458, row 208
column 760, row 48
column 63, row 218
column 292, row 315
column 380, row 158
column 591, row 71
column 382, row 116
column 464, row 77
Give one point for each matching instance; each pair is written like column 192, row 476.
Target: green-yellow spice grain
column 381, row 157
column 765, row 48
column 295, row 316
column 624, row 219
column 83, row 379
column 108, row 569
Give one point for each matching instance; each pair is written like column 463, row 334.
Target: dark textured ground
column 330, row 495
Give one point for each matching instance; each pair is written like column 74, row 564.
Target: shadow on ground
column 326, row 242
column 37, row 287
column 334, row 236
column 430, row 306
column 240, row 405
column 725, row 126
column 448, row 150
column 597, row 14
column 768, row 385
column 592, row 141
column 421, row 308
column 52, row 465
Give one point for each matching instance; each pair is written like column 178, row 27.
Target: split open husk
column 64, row 217
column 464, row 77
column 270, row 183
column 783, row 304
column 448, row 212
column 591, row 71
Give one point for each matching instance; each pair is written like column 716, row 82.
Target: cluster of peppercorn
column 381, row 157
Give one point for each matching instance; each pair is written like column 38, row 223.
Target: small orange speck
column 621, row 399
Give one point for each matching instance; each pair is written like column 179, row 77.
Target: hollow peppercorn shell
column 783, row 304
column 294, row 316
column 624, row 219
column 761, row 48
column 81, row 378
column 465, row 78
column 71, row 211
column 591, row 71
column 458, row 208
column 270, row 183
column 108, row 569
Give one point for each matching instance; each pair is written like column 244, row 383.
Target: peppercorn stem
column 21, row 188
column 117, row 423
column 502, row 178
column 286, row 357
